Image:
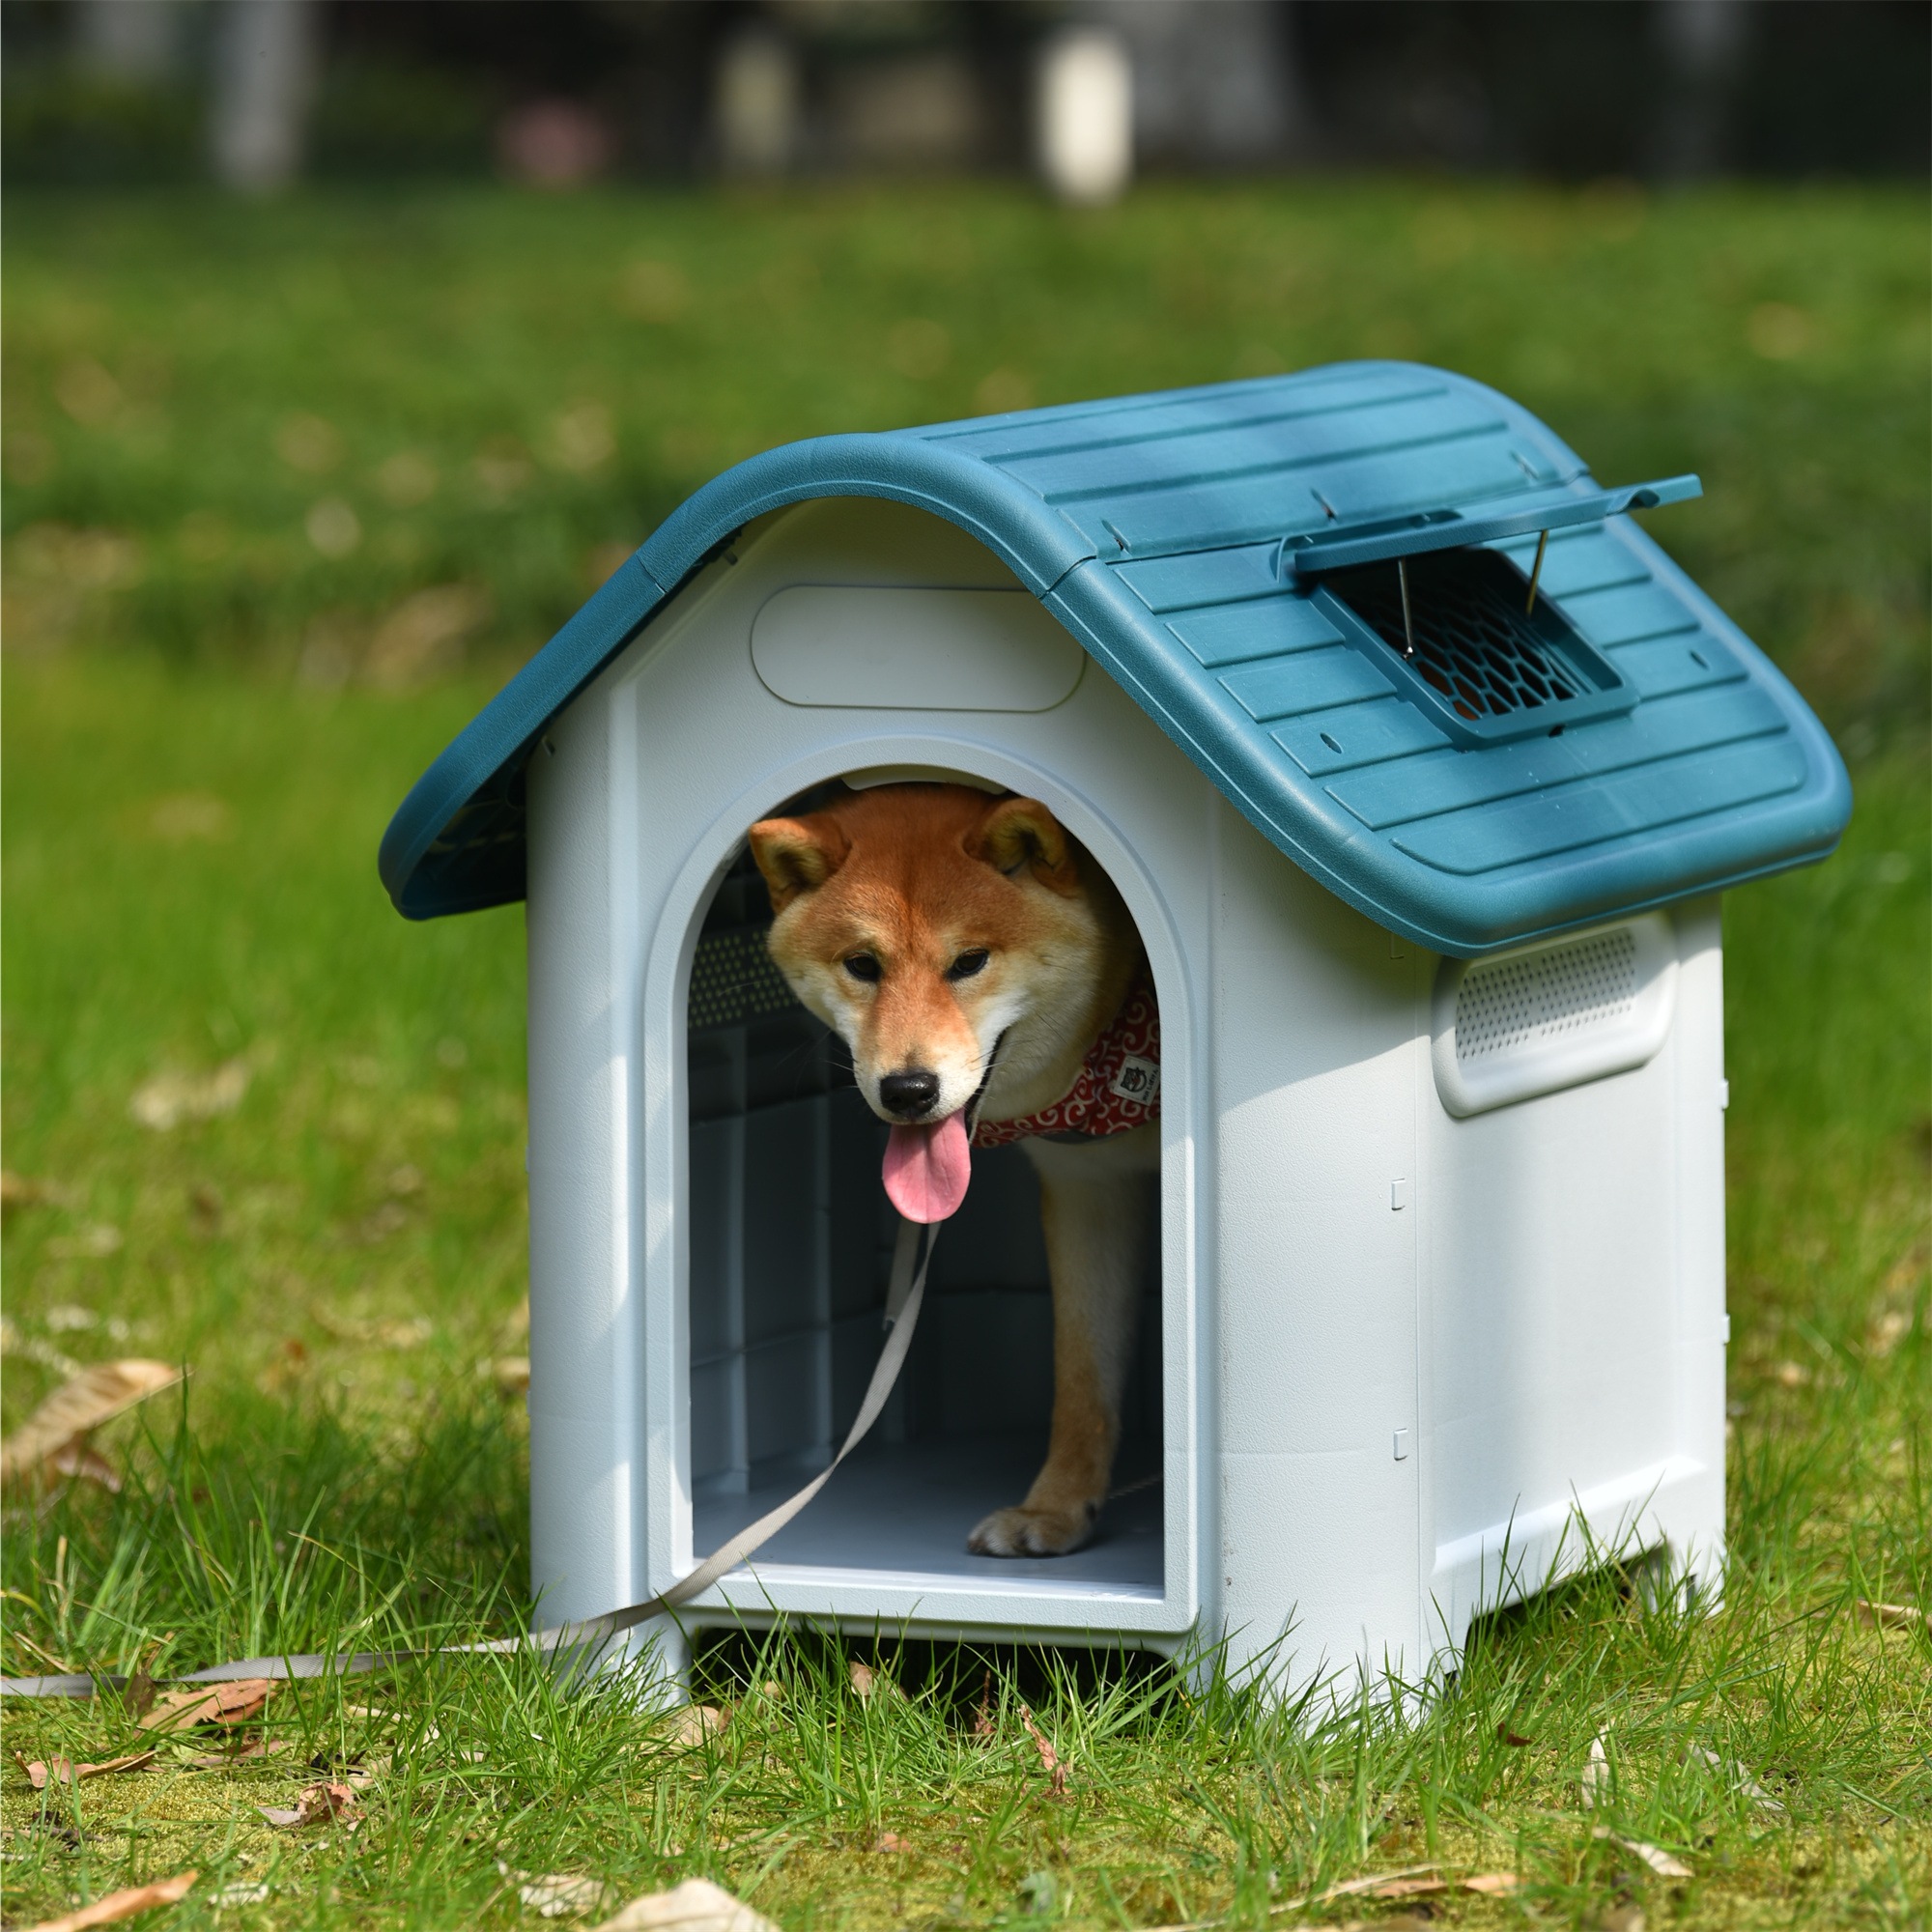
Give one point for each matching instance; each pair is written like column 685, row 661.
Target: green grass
column 208, row 721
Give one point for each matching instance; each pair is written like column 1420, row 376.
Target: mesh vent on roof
column 733, row 978
column 1539, row 996
column 1475, row 643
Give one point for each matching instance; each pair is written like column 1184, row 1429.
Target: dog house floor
column 908, row 1507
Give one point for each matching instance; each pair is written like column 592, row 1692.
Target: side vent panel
column 1554, row 1015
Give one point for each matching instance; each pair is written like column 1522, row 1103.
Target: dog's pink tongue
column 927, row 1169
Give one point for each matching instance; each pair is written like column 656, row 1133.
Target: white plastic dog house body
column 1394, row 1343
column 1421, row 770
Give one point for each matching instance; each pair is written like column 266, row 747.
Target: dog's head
column 924, row 922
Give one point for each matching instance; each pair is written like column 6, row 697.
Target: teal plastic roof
column 1194, row 542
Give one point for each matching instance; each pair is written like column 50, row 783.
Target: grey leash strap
column 903, row 1299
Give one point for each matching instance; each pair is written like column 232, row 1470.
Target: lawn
column 289, row 489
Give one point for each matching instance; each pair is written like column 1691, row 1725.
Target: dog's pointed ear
column 1020, row 834
column 797, row 854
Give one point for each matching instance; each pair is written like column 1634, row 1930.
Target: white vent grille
column 1537, row 996
column 1552, row 1016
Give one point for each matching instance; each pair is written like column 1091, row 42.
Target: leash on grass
column 904, row 1297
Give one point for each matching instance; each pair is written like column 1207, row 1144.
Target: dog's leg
column 1095, row 1204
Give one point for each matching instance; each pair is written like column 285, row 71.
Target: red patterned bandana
column 1117, row 1088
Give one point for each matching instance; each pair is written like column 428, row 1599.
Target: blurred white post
column 265, row 63
column 758, row 103
column 1085, row 106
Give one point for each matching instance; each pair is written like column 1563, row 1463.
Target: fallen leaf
column 222, row 1760
column 1407, row 1888
column 1893, row 1616
column 89, row 1400
column 511, row 1374
column 891, row 1841
column 1494, row 1885
column 1349, row 1888
column 866, row 1680
column 1512, row 1738
column 121, row 1904
column 165, row 1101
column 319, row 1805
column 563, row 1894
column 694, row 1906
column 1737, row 1775
column 1792, row 1375
column 1050, row 1760
column 983, row 1711
column 64, row 1770
column 232, row 1703
column 1594, row 1782
column 80, row 1460
column 1661, row 1862
column 231, row 1895
column 692, row 1724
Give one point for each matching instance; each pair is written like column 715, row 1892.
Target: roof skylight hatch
column 1465, row 634
column 1464, row 638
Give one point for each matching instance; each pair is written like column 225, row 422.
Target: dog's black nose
column 910, row 1094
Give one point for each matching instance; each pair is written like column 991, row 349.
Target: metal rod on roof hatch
column 1407, row 622
column 1536, row 570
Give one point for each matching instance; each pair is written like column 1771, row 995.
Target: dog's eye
column 968, row 963
column 863, row 966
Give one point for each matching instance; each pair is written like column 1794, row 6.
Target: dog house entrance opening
column 790, row 1251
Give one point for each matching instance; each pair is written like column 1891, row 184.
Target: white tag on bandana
column 1138, row 1080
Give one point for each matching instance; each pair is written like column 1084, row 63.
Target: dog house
column 1421, row 769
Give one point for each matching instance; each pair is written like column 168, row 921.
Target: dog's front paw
column 1033, row 1532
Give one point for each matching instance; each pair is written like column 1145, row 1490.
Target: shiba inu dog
column 991, row 986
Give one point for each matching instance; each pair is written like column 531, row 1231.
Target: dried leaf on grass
column 1051, row 1762
column 692, row 1724
column 80, row 1461
column 561, row 1894
column 511, row 1374
column 694, row 1906
column 1893, row 1616
column 93, row 1397
column 165, row 1101
column 1594, row 1782
column 121, row 1904
column 866, row 1682
column 1661, row 1862
column 232, row 1703
column 1737, row 1775
column 319, row 1805
column 225, row 1760
column 891, row 1841
column 64, row 1770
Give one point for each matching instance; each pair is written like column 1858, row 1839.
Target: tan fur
column 917, row 878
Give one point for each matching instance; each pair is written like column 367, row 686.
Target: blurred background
column 563, row 91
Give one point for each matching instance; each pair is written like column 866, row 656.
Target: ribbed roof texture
column 1163, row 530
